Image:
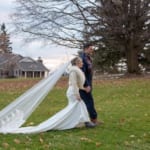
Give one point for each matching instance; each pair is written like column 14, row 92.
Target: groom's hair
column 87, row 45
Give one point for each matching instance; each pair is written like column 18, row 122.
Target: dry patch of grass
column 16, row 84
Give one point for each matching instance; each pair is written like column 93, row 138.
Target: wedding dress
column 71, row 116
column 74, row 114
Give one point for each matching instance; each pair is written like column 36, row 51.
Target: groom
column 86, row 94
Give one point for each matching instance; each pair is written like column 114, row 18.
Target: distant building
column 14, row 65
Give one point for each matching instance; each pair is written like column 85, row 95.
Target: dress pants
column 89, row 101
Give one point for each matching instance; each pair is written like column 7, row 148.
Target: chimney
column 40, row 60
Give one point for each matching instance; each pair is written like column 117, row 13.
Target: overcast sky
column 51, row 54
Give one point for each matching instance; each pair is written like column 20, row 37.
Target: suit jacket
column 87, row 69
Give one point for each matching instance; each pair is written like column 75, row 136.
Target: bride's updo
column 76, row 60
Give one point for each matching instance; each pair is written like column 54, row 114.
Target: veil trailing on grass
column 16, row 113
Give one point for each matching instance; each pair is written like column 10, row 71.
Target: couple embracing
column 80, row 108
column 80, row 84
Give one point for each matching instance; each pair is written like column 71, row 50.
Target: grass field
column 123, row 105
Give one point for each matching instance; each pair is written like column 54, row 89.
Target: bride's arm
column 73, row 81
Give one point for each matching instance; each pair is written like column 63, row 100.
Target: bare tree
column 58, row 21
column 117, row 27
column 124, row 26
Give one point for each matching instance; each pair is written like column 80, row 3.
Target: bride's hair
column 75, row 60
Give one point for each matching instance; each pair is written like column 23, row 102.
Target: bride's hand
column 78, row 97
column 88, row 89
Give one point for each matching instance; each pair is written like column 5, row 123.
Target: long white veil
column 16, row 113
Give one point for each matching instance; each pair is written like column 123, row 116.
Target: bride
column 73, row 115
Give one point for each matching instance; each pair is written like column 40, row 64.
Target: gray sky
column 52, row 54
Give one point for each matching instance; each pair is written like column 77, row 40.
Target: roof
column 21, row 63
column 28, row 64
column 6, row 58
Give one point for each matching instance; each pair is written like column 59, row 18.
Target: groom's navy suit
column 87, row 97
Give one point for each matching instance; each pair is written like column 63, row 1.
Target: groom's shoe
column 90, row 124
column 96, row 122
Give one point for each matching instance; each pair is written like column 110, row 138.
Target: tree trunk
column 132, row 60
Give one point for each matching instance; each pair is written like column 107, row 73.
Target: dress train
column 71, row 116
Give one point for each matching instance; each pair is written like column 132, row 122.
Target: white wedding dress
column 74, row 114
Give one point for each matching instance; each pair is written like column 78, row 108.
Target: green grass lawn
column 123, row 105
